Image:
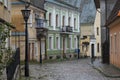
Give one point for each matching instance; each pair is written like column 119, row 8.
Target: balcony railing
column 11, row 68
column 40, row 23
column 41, row 28
column 67, row 29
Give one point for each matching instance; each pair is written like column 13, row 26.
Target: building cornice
column 21, row 2
column 65, row 6
column 6, row 23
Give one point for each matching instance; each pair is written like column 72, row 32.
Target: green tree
column 5, row 52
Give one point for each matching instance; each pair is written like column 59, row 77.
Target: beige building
column 35, row 23
column 5, row 10
column 97, row 29
column 91, row 37
column 5, row 16
column 5, row 22
column 87, row 30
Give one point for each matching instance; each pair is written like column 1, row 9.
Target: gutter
column 23, row 2
column 110, row 21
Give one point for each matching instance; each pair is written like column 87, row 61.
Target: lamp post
column 26, row 14
column 78, row 37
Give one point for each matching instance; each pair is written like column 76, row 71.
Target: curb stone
column 103, row 73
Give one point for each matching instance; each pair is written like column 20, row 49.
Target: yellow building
column 5, row 10
column 35, row 22
column 87, row 30
column 5, row 18
column 5, row 15
column 5, row 23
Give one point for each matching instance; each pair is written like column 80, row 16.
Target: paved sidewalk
column 106, row 69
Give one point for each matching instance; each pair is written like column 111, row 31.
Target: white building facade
column 63, row 24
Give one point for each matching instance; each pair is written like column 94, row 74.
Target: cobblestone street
column 66, row 70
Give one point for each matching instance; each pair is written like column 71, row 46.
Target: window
column 115, row 44
column 82, row 47
column 39, row 23
column 70, row 43
column 57, row 42
column 97, row 31
column 119, row 41
column 84, row 37
column 57, row 20
column 63, row 19
column 75, row 43
column 36, row 48
column 97, row 47
column 49, row 19
column 75, row 23
column 50, row 42
column 111, row 43
column 69, row 21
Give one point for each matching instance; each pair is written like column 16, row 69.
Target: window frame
column 75, row 43
column 50, row 16
column 74, row 23
column 97, row 30
column 98, row 48
column 115, row 43
column 63, row 21
column 69, row 21
column 111, row 44
column 50, row 43
column 57, row 20
column 57, row 43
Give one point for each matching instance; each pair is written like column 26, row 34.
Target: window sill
column 57, row 27
column 50, row 26
column 75, row 28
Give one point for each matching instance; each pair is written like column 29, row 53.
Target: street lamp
column 26, row 14
column 78, row 37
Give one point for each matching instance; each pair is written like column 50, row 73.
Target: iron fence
column 11, row 68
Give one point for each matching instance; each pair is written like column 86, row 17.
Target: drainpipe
column 45, row 48
column 40, row 52
column 64, row 47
